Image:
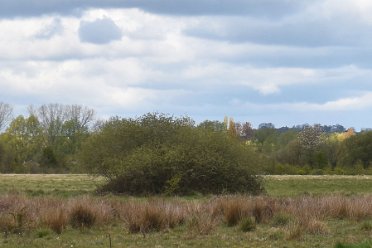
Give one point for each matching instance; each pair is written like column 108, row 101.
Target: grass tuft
column 366, row 226
column 281, row 219
column 56, row 220
column 82, row 216
column 247, row 225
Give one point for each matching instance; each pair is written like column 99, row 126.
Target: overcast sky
column 281, row 61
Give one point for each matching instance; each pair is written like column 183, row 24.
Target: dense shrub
column 156, row 154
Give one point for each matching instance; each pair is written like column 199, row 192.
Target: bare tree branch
column 6, row 113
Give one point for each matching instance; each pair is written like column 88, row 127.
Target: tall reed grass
column 298, row 215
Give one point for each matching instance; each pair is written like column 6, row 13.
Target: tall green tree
column 64, row 128
column 23, row 139
column 358, row 148
column 311, row 139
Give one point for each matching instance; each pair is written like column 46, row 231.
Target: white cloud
column 359, row 102
column 363, row 101
column 50, row 29
column 156, row 65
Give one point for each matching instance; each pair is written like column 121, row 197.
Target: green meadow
column 283, row 185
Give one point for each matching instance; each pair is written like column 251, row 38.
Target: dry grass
column 7, row 223
column 201, row 223
column 296, row 216
column 316, row 227
column 55, row 219
column 154, row 215
column 234, row 209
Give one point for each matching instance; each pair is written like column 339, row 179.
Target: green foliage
column 157, row 154
column 48, row 157
column 213, row 125
column 367, row 226
column 361, row 245
column 281, row 219
column 357, row 149
column 42, row 232
column 50, row 139
column 23, row 140
column 2, row 154
column 45, row 141
column 247, row 225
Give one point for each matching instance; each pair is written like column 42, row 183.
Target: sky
column 281, row 61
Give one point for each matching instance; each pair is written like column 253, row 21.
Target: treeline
column 53, row 138
column 312, row 150
column 48, row 140
column 303, row 149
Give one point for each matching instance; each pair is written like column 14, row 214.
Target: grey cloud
column 51, row 30
column 100, row 31
column 309, row 57
column 301, row 30
column 265, row 8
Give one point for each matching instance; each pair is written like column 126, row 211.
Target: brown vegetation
column 296, row 216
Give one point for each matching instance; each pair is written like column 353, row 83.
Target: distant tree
column 358, row 148
column 310, row 139
column 58, row 120
column 266, row 125
column 76, row 127
column 64, row 128
column 232, row 128
column 263, row 133
column 23, row 139
column 291, row 153
column 333, row 148
column 213, row 125
column 338, row 128
column 6, row 112
column 239, row 129
column 247, row 130
column 52, row 117
column 226, row 122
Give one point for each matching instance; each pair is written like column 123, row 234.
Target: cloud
column 50, row 30
column 161, row 38
column 99, row 31
column 325, row 23
column 363, row 101
column 239, row 65
column 265, row 8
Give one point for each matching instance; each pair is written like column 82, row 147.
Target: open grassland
column 49, row 184
column 297, row 211
column 78, row 184
column 291, row 185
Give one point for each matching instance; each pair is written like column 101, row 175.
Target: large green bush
column 157, row 154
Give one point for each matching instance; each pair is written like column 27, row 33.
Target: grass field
column 49, row 184
column 337, row 209
column 319, row 185
column 78, row 184
column 262, row 237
